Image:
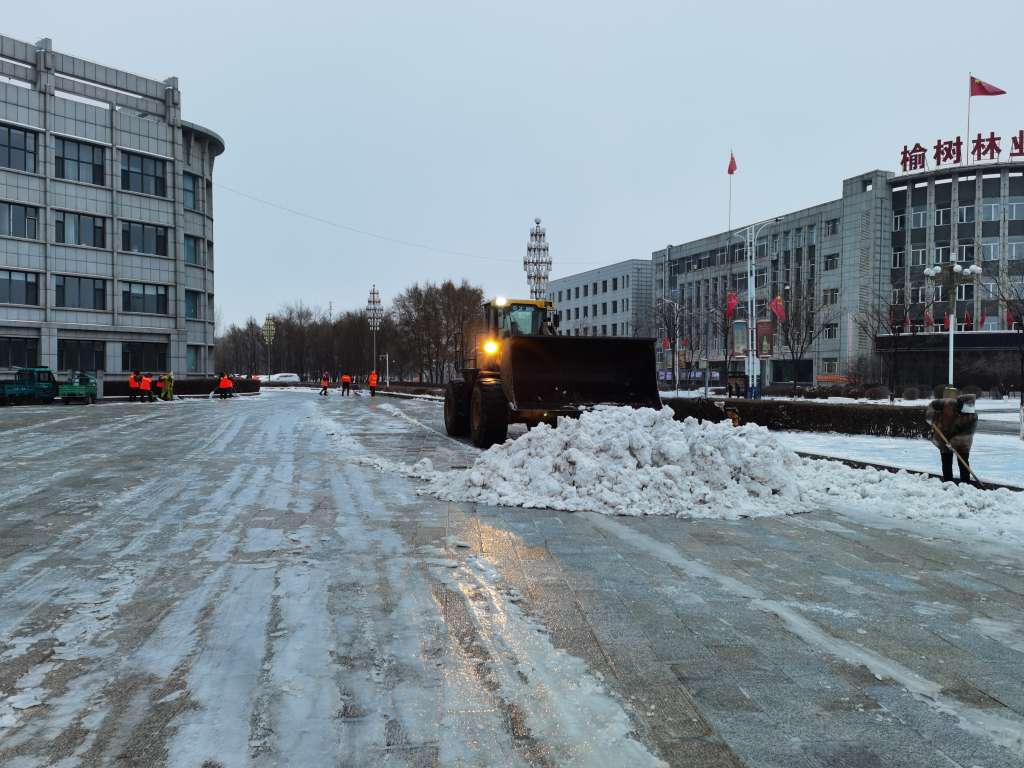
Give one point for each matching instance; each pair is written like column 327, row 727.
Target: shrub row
column 182, row 387
column 881, row 420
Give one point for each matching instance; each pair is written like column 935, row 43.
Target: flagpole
column 970, row 86
column 729, row 229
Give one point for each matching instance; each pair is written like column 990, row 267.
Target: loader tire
column 488, row 414
column 456, row 409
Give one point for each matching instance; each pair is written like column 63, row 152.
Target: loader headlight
column 490, row 346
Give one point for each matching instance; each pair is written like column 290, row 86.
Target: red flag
column 928, row 319
column 732, row 164
column 981, row 88
column 968, row 320
column 1010, row 319
column 945, row 322
column 666, row 344
column 777, row 309
column 730, row 304
column 981, row 320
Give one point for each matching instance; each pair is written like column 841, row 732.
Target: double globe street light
column 954, row 275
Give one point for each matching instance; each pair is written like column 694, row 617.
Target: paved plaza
column 213, row 584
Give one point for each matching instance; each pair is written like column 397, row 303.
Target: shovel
column 958, row 456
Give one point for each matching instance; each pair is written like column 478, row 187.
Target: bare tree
column 1012, row 295
column 803, row 321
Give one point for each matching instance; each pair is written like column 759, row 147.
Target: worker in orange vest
column 133, row 386
column 224, row 386
column 325, row 382
column 346, row 384
column 146, row 387
column 372, row 383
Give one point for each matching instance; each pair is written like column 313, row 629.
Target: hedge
column 880, row 420
column 119, row 388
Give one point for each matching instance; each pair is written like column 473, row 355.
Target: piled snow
column 633, row 462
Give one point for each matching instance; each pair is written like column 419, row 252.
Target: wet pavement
column 232, row 583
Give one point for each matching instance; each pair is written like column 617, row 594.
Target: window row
column 591, row 288
column 966, row 214
column 615, row 329
column 943, row 254
column 923, row 294
column 18, row 353
column 88, row 355
column 81, row 355
column 19, row 287
column 17, row 149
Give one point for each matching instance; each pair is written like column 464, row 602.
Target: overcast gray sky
column 454, row 124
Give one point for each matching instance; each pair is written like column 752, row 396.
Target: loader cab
column 519, row 317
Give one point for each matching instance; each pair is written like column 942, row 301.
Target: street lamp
column 953, row 276
column 753, row 364
column 374, row 314
column 269, row 331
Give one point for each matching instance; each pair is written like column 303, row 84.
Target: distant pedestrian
column 224, row 386
column 953, row 422
column 346, row 384
column 372, row 383
column 146, row 388
column 168, row 389
column 133, row 386
column 325, row 382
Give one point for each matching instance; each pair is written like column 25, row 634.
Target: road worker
column 133, row 386
column 346, row 384
column 146, row 388
column 224, row 386
column 167, row 393
column 325, row 382
column 371, row 382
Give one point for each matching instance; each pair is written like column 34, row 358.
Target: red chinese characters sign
column 951, row 151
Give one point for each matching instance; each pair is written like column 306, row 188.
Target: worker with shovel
column 953, row 421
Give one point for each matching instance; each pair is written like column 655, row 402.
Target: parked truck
column 79, row 386
column 30, row 385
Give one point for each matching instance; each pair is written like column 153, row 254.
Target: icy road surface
column 213, row 584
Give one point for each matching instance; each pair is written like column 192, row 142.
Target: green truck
column 79, row 386
column 29, row 385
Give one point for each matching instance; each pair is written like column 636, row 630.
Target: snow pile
column 633, row 462
column 831, row 485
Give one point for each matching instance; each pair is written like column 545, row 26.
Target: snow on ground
column 633, row 462
column 996, row 458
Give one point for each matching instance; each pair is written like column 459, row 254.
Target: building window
column 918, row 218
column 917, row 257
column 615, row 307
column 595, row 292
column 577, row 291
column 1015, row 249
column 78, row 355
column 830, row 296
column 614, row 330
column 831, row 262
column 938, row 292
column 897, row 259
column 147, row 175
column 831, row 227
column 585, row 289
column 19, row 287
column 830, row 331
column 577, row 313
column 918, row 294
column 965, row 252
column 143, row 356
column 80, row 292
column 830, row 365
column 990, row 250
column 941, row 254
column 585, row 307
column 594, row 313
column 144, row 298
column 77, row 161
column 965, row 214
column 965, row 292
column 79, row 229
column 193, row 300
column 143, row 238
column 990, row 211
column 190, row 190
column 941, row 217
column 17, row 149
column 18, row 220
column 897, row 296
column 193, row 254
column 899, row 222
column 812, row 234
column 604, row 286
column 604, row 307
column 615, row 283
column 1015, row 211
column 19, row 353
column 559, row 295
column 626, row 279
column 193, row 356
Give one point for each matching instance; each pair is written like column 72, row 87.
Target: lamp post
column 269, row 331
column 374, row 314
column 675, row 350
column 387, row 370
column 753, row 364
column 955, row 275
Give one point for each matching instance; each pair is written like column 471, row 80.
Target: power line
column 367, row 233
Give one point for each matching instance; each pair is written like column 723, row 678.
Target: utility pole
column 374, row 314
column 537, row 261
column 269, row 331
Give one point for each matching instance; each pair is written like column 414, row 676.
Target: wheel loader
column 523, row 372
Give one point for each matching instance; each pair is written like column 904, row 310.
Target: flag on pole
column 730, row 304
column 1010, row 319
column 981, row 88
column 777, row 309
column 906, row 322
column 732, row 164
column 928, row 322
column 665, row 343
column 981, row 320
column 945, row 322
column 968, row 320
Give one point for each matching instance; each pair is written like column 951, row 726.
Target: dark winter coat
column 957, row 419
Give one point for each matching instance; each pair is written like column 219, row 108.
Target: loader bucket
column 562, row 373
